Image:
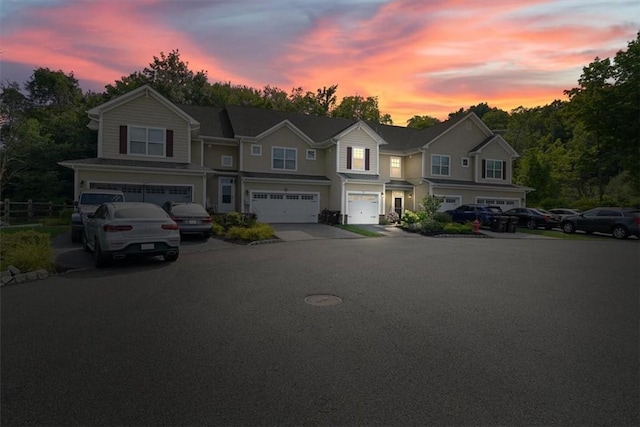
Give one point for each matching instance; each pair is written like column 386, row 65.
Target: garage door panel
column 285, row 208
column 363, row 209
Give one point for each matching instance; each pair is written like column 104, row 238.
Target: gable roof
column 494, row 138
column 252, row 121
column 146, row 91
column 214, row 122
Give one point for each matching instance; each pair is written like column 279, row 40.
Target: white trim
column 463, row 160
column 146, row 129
column 486, row 169
column 259, row 151
column 364, row 158
column 391, row 159
column 519, row 201
column 226, row 157
column 313, row 153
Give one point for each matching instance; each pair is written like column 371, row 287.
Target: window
column 256, row 150
column 284, row 158
column 226, row 161
column 439, row 165
column 396, row 171
column 358, row 158
column 147, row 141
column 465, row 162
column 311, row 154
column 493, row 169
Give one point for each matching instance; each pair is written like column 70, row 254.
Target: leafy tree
column 53, row 89
column 170, row 76
column 358, row 108
column 422, row 122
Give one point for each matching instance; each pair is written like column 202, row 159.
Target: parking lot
column 428, row 331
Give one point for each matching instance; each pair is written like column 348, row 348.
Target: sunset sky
column 419, row 57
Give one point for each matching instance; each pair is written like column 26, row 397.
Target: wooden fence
column 11, row 211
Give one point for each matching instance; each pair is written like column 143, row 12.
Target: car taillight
column 207, row 220
column 171, row 226
column 114, row 228
column 636, row 220
column 546, row 217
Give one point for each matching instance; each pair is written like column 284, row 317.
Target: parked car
column 86, row 204
column 471, row 212
column 621, row 222
column 122, row 230
column 534, row 218
column 564, row 212
column 191, row 218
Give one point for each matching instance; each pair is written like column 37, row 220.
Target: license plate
column 191, row 221
column 146, row 246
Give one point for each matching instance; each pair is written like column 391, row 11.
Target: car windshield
column 98, row 199
column 189, row 209
column 494, row 209
column 140, row 212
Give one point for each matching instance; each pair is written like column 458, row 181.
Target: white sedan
column 129, row 229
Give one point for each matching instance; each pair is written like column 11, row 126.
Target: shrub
column 454, row 228
column 234, row 219
column 409, row 217
column 431, row 227
column 442, row 217
column 393, row 217
column 256, row 232
column 26, row 250
column 217, row 229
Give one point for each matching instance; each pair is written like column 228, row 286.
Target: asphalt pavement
column 424, row 331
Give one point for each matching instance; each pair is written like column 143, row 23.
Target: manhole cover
column 322, row 300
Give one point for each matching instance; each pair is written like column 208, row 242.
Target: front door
column 227, row 190
column 397, row 206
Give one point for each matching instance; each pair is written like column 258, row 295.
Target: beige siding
column 196, row 152
column 144, row 112
column 213, row 157
column 285, row 138
column 335, row 190
column 494, row 151
column 456, row 143
column 385, row 166
column 358, row 138
column 412, row 166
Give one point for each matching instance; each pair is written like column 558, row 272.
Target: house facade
column 288, row 167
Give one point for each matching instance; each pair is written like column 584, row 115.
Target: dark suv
column 471, row 212
column 621, row 222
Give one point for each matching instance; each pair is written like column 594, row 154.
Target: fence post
column 29, row 208
column 7, row 209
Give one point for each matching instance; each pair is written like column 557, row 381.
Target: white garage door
column 363, row 209
column 291, row 208
column 449, row 202
column 505, row 204
column 150, row 193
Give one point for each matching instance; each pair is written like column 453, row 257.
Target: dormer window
column 494, row 169
column 284, row 158
column 358, row 158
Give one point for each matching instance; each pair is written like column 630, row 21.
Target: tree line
column 581, row 152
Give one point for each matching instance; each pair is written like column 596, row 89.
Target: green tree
column 359, row 108
column 422, row 122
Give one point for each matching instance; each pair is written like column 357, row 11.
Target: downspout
column 343, row 197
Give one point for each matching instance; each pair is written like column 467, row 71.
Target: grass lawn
column 358, row 230
column 51, row 230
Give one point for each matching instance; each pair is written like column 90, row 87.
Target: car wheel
column 206, row 236
column 100, row 259
column 568, row 228
column 171, row 257
column 76, row 236
column 619, row 232
column 531, row 225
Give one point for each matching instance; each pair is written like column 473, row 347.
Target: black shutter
column 349, row 155
column 367, row 155
column 169, row 143
column 123, row 140
column 484, row 168
column 504, row 170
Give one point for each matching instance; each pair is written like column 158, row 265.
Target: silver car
column 117, row 231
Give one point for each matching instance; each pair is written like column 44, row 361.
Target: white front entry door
column 226, row 201
column 363, row 208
